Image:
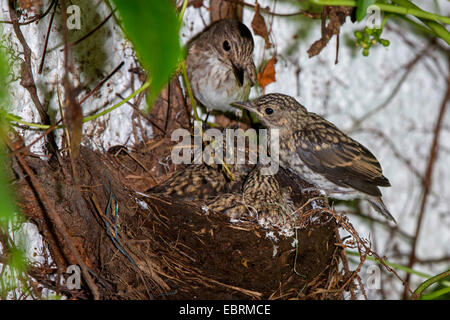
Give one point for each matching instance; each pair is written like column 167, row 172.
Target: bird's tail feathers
column 380, row 207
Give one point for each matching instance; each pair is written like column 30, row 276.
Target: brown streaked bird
column 220, row 65
column 261, row 197
column 250, row 194
column 319, row 152
column 201, row 182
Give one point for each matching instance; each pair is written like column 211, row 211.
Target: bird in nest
column 319, row 152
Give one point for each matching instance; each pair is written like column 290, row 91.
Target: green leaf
column 153, row 28
column 361, row 10
column 7, row 206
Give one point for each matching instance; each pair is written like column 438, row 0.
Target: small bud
column 358, row 35
column 385, row 42
column 377, row 32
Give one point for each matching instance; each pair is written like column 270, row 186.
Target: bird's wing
column 342, row 160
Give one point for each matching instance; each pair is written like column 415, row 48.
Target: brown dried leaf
column 74, row 120
column 259, row 26
column 32, row 5
column 336, row 17
column 267, row 75
column 197, row 3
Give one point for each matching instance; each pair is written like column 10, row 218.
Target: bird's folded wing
column 342, row 160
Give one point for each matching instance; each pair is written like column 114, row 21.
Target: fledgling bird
column 202, row 182
column 220, row 65
column 261, row 197
column 250, row 194
column 319, row 152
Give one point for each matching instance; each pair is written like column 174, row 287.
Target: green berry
column 358, row 35
column 365, row 52
column 366, row 37
column 385, row 42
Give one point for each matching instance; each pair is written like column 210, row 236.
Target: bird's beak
column 238, row 74
column 247, row 105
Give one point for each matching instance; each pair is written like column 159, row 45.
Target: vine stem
column 418, row 292
column 189, row 90
column 437, row 28
column 183, row 10
column 388, row 8
column 400, row 267
column 87, row 119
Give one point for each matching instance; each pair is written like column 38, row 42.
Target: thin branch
column 58, row 223
column 41, row 65
column 35, row 18
column 408, row 68
column 87, row 35
column 428, row 176
column 403, row 10
column 27, row 80
column 27, row 147
column 101, row 83
column 135, row 107
column 266, row 10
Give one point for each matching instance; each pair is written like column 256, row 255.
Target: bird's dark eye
column 226, row 45
column 269, row 111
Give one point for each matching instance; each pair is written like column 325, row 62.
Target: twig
column 138, row 91
column 166, row 123
column 36, row 18
column 364, row 251
column 73, row 115
column 307, row 14
column 403, row 10
column 87, row 35
column 135, row 107
column 408, row 68
column 27, row 147
column 183, row 98
column 58, row 223
column 250, row 293
column 101, row 83
column 428, row 176
column 189, row 90
column 27, row 80
column 41, row 65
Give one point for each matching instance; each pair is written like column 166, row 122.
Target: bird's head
column 233, row 42
column 276, row 110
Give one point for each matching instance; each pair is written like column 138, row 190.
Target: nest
column 140, row 246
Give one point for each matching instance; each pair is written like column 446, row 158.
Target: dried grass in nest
column 169, row 249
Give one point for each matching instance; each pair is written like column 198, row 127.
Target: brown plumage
column 319, row 152
column 250, row 194
column 202, row 182
column 220, row 65
column 262, row 198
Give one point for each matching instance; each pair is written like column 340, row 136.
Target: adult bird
column 220, row 65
